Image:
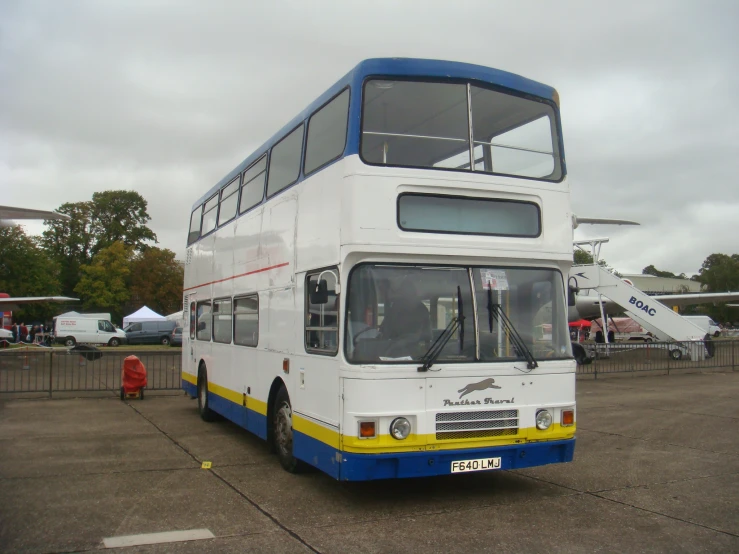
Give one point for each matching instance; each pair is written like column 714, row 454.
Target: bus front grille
column 472, row 425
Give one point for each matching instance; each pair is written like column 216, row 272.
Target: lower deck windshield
column 395, row 313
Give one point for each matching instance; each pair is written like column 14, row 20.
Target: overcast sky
column 165, row 97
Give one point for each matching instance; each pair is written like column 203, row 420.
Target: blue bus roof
column 409, row 67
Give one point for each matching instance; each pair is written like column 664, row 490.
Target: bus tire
column 206, row 413
column 282, row 433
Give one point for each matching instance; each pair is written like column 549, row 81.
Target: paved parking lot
column 656, row 470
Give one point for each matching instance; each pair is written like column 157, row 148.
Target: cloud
column 166, row 97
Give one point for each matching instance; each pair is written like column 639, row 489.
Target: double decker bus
column 378, row 290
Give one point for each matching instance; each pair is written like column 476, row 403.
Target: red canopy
column 580, row 323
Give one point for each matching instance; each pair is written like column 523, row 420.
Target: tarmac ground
column 656, row 470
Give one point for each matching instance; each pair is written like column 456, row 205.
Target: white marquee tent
column 177, row 317
column 143, row 314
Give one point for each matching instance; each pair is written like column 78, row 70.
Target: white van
column 705, row 323
column 73, row 330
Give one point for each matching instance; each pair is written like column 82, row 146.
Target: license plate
column 475, row 465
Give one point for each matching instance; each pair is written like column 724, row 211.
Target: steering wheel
column 354, row 340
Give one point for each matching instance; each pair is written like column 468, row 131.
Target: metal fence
column 622, row 357
column 45, row 370
column 37, row 370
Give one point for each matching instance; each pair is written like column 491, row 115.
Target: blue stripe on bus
column 409, row 67
column 252, row 421
column 347, row 466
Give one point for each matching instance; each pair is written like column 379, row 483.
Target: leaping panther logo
column 482, row 385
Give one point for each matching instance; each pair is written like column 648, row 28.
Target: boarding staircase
column 654, row 316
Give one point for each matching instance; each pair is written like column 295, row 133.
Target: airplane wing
column 577, row 221
column 9, row 304
column 696, row 298
column 8, row 212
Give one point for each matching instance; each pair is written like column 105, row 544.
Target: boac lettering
column 642, row 306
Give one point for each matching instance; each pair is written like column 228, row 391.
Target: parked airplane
column 8, row 303
column 587, row 303
column 8, row 214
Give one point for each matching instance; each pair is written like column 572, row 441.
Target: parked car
column 176, row 337
column 150, row 332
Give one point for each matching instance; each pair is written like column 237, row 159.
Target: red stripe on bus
column 240, row 275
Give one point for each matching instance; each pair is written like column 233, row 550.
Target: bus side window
column 322, row 312
column 284, row 162
column 246, row 320
column 229, row 199
column 203, row 320
column 194, row 233
column 192, row 320
column 327, row 133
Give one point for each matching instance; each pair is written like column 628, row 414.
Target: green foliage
column 157, row 280
column 651, row 270
column 120, row 215
column 720, row 273
column 582, row 258
column 114, row 215
column 103, row 285
column 69, row 242
column 27, row 270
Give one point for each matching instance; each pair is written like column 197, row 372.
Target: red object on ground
column 133, row 377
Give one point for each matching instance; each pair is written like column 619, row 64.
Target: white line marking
column 158, row 538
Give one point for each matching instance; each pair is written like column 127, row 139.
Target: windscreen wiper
column 496, row 311
column 435, row 349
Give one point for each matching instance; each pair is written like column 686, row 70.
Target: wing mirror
column 319, row 292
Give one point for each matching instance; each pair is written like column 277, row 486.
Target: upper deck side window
column 210, row 212
column 229, row 200
column 252, row 187
column 458, row 126
column 284, row 161
column 195, row 217
column 327, row 133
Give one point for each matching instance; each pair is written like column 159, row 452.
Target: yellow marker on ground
column 206, row 465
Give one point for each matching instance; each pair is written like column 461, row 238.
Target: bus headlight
column 543, row 420
column 400, row 428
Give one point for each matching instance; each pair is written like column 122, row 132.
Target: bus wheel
column 282, row 433
column 205, row 412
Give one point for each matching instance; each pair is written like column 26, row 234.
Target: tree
column 157, row 280
column 114, row 215
column 120, row 215
column 103, row 284
column 27, row 270
column 69, row 242
column 720, row 273
column 651, row 270
column 582, row 257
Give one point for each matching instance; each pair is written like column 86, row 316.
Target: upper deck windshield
column 459, row 126
column 394, row 313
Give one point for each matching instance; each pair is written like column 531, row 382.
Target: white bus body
column 262, row 345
